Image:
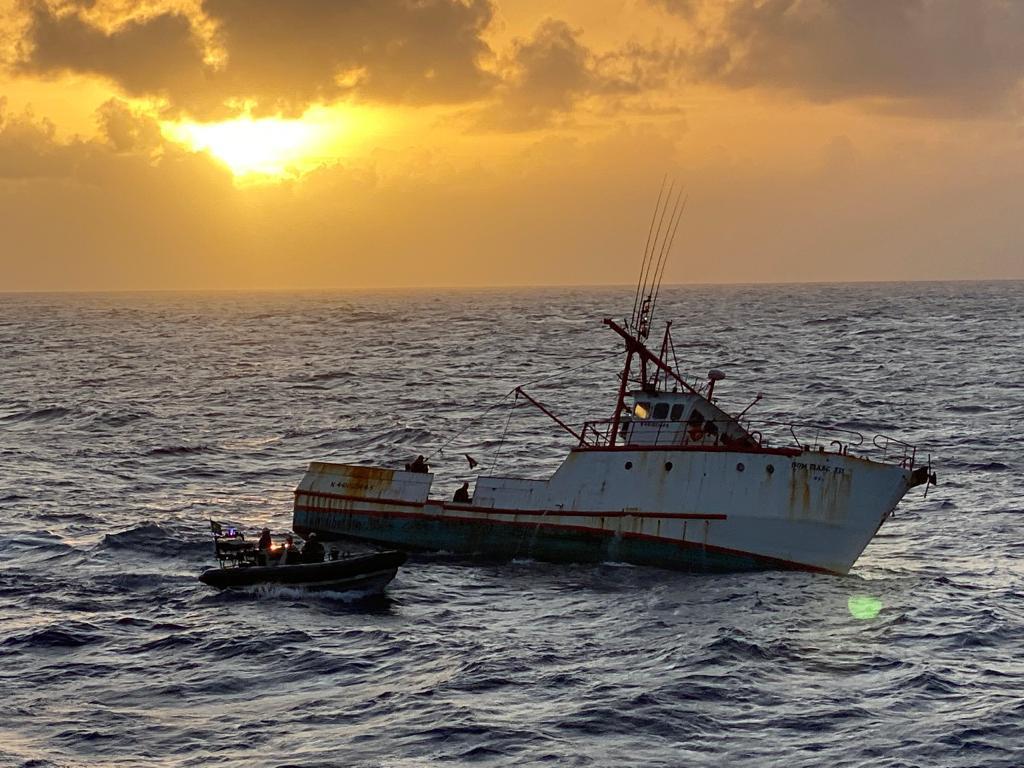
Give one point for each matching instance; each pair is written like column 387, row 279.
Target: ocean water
column 128, row 420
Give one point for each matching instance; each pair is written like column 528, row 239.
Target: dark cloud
column 945, row 56
column 289, row 54
column 685, row 8
column 279, row 56
column 157, row 56
column 126, row 130
column 29, row 149
column 547, row 74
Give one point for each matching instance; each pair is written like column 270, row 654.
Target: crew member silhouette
column 313, row 550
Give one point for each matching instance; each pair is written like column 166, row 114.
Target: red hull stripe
column 775, row 562
column 503, row 511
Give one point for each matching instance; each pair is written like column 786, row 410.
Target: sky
column 264, row 144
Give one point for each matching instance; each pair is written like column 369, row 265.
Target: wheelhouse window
column 677, row 411
column 661, row 411
column 642, row 410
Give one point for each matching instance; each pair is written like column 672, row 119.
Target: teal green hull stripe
column 495, row 540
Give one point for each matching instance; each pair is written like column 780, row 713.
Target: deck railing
column 807, row 436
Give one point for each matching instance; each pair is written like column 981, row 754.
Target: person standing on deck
column 312, row 550
column 265, row 542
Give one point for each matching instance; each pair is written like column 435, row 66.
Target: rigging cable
column 575, row 368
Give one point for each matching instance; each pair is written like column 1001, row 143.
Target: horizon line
column 491, row 286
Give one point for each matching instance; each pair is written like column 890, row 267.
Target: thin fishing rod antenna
column 647, row 245
column 672, row 239
column 651, row 300
column 638, row 318
column 646, row 272
column 659, row 267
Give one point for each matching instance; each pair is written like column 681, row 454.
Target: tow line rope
column 501, row 443
column 463, row 431
column 499, row 403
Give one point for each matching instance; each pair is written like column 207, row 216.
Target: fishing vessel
column 670, row 479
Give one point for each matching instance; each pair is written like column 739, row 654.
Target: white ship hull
column 697, row 508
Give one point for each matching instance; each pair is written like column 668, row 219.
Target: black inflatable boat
column 370, row 572
column 245, row 564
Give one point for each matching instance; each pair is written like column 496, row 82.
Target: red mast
column 652, row 268
column 636, row 347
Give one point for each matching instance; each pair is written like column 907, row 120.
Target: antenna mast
column 652, row 270
column 650, row 231
column 656, row 251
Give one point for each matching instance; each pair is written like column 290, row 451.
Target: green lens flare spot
column 864, row 606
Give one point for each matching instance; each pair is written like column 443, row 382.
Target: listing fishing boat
column 243, row 565
column 669, row 480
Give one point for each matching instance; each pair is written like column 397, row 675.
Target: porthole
column 740, row 467
column 629, row 465
column 770, row 469
column 668, row 466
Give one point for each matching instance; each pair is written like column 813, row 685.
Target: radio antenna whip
column 647, row 245
column 671, row 240
column 659, row 265
column 641, row 316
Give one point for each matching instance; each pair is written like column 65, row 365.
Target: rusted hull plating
column 708, row 511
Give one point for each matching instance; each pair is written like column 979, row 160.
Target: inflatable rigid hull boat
column 370, row 572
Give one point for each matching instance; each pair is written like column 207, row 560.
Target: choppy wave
column 152, row 539
column 179, row 450
column 39, row 415
column 69, row 634
column 989, row 466
column 330, row 375
column 119, row 418
column 215, row 403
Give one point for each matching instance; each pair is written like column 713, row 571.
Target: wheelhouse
column 652, row 417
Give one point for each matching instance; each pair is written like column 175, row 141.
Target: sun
column 269, row 150
column 272, row 148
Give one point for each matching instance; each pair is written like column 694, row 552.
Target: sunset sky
column 372, row 143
